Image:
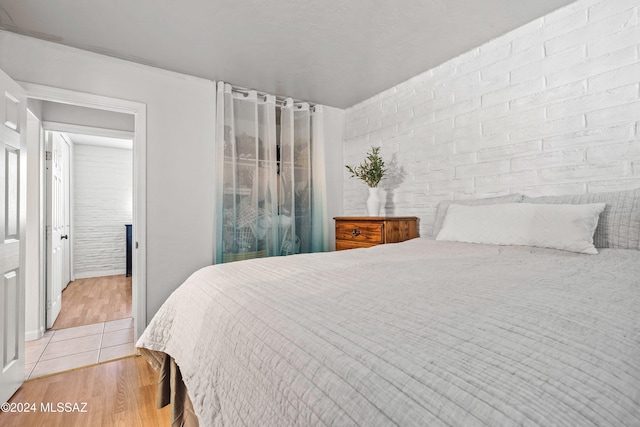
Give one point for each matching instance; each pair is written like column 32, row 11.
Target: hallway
column 95, row 325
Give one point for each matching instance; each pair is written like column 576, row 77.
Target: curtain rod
column 279, row 99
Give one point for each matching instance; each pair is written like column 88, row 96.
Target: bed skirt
column 171, row 388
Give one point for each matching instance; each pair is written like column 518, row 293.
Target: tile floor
column 65, row 349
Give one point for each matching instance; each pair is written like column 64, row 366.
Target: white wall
column 551, row 107
column 180, row 154
column 332, row 133
column 102, row 205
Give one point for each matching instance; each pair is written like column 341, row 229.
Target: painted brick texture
column 102, row 205
column 552, row 107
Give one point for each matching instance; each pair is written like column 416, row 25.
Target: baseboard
column 88, row 274
column 33, row 335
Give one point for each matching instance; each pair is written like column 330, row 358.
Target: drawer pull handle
column 355, row 232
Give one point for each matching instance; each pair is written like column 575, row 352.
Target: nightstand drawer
column 351, row 244
column 360, row 232
column 366, row 231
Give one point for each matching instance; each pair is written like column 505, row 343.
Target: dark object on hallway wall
column 129, row 238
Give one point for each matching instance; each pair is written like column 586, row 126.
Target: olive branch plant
column 371, row 170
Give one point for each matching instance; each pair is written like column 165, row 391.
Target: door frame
column 82, row 130
column 38, row 247
column 139, row 111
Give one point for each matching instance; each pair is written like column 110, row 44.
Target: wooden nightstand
column 365, row 231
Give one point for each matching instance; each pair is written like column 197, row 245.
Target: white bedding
column 420, row 333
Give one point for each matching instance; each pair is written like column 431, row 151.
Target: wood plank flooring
column 95, row 300
column 120, row 393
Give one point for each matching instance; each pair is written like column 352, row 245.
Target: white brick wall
column 552, row 107
column 102, row 205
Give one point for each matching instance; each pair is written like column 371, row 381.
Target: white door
column 55, row 225
column 13, row 116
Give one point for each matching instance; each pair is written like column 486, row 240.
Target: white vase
column 373, row 202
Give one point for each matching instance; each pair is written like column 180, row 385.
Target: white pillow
column 566, row 227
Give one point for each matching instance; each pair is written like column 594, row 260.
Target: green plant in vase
column 371, row 171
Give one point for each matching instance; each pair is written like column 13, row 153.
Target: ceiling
column 336, row 53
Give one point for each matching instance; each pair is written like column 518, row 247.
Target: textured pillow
column 566, row 227
column 444, row 205
column 619, row 225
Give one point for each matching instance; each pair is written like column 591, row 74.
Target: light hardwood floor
column 119, row 393
column 95, row 300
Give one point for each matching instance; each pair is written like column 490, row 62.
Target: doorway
column 88, row 295
column 137, row 196
column 95, row 284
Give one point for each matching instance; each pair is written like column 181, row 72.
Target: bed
column 419, row 333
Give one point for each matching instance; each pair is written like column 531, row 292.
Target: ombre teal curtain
column 295, row 177
column 247, row 197
column 269, row 201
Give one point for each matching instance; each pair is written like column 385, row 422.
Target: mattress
column 416, row 333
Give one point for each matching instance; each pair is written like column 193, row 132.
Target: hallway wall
column 102, row 205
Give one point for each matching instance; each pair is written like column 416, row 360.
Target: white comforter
column 420, row 333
